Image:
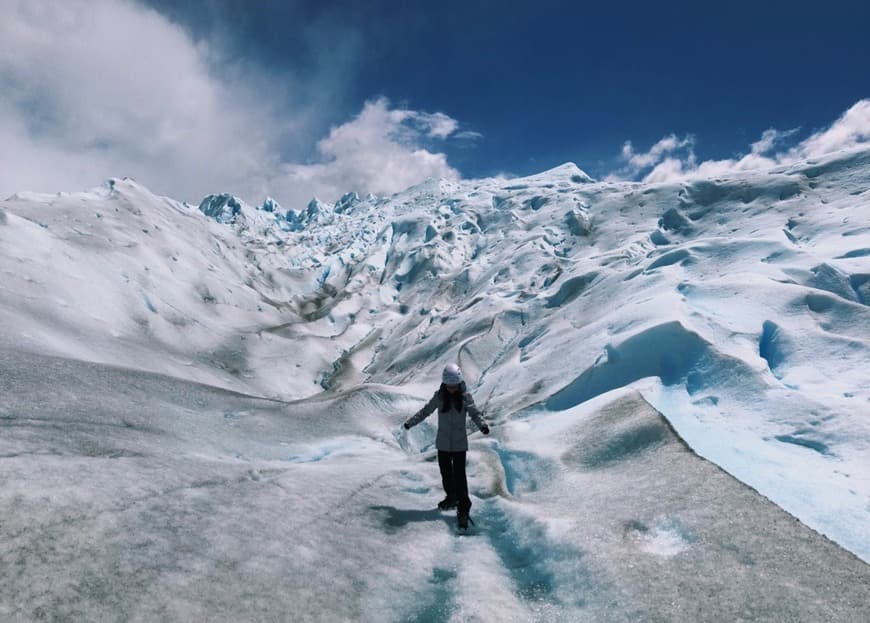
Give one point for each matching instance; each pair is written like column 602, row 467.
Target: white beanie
column 452, row 375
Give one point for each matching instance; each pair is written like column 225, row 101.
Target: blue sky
column 546, row 82
column 525, row 85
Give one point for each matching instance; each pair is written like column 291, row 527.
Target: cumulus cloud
column 99, row 88
column 91, row 89
column 378, row 151
column 672, row 159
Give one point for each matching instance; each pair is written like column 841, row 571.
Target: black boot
column 447, row 503
column 462, row 518
column 462, row 521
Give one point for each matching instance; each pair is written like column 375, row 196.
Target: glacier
column 201, row 405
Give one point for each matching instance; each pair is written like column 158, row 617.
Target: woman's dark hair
column 454, row 399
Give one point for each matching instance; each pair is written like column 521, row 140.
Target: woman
column 453, row 403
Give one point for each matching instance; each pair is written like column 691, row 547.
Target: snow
column 201, row 406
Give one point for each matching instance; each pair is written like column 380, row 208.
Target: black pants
column 453, row 478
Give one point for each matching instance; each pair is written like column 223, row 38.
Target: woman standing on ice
column 453, row 402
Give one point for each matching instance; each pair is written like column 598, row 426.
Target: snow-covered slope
column 738, row 308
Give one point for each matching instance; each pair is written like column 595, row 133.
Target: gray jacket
column 452, row 436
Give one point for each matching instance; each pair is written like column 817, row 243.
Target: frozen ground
column 200, row 408
column 130, row 496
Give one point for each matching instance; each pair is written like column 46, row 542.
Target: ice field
column 201, row 406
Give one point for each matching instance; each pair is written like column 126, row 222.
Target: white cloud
column 666, row 170
column 769, row 139
column 673, row 159
column 468, row 135
column 439, row 125
column 848, row 132
column 657, row 152
column 91, row 89
column 377, row 152
column 108, row 88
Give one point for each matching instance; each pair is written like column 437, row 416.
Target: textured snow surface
column 201, row 405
